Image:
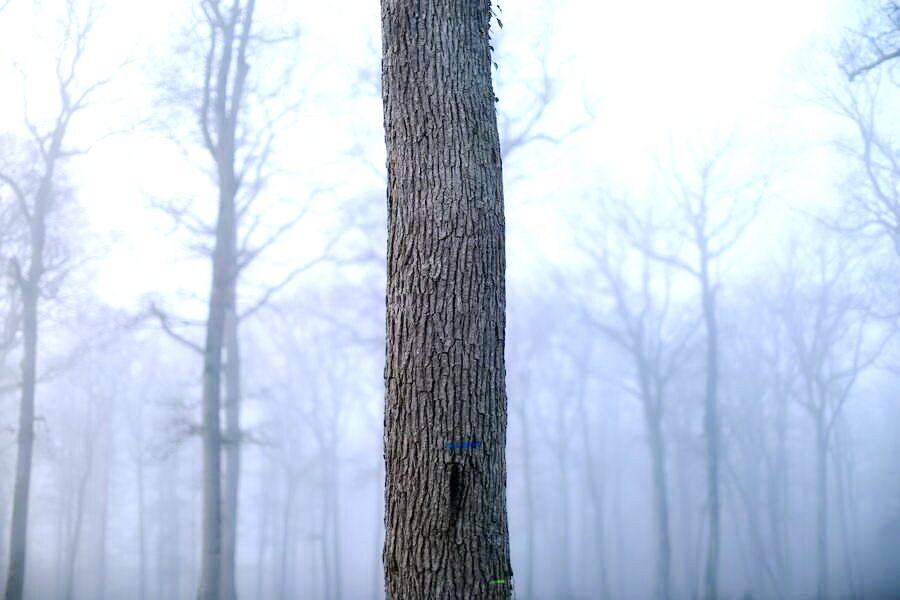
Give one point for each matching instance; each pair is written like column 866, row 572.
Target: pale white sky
column 654, row 75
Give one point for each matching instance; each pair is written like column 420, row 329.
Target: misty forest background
column 671, row 169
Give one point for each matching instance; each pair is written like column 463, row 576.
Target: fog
column 702, row 211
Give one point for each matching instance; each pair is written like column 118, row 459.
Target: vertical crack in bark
column 456, row 494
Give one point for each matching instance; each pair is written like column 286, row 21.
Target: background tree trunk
column 211, row 558
column 711, row 425
column 232, row 448
column 595, row 490
column 29, row 288
column 821, row 508
column 653, row 419
column 445, row 509
column 15, row 581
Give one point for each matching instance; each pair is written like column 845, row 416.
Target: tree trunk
column 843, row 463
column 263, row 536
column 211, row 558
column 232, row 446
column 286, row 539
column 778, row 497
column 564, row 562
column 15, row 581
column 653, row 418
column 142, row 529
column 711, row 430
column 335, row 508
column 104, row 516
column 445, row 508
column 29, row 287
column 227, row 95
column 527, row 476
column 63, row 517
column 75, row 538
column 595, row 492
column 821, row 508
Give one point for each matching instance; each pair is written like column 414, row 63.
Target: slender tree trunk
column 15, row 581
column 711, row 431
column 377, row 574
column 327, row 464
column 172, row 529
column 778, row 498
column 29, row 285
column 219, row 300
column 564, row 583
column 841, row 491
column 821, row 508
column 622, row 587
column 142, row 530
column 62, row 537
column 335, row 507
column 193, row 538
column 163, row 539
column 527, row 476
column 227, row 96
column 653, row 418
column 104, row 519
column 232, row 446
column 595, row 492
column 263, row 537
column 286, row 539
column 445, row 509
column 75, row 540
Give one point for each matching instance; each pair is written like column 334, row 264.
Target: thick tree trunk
column 445, row 507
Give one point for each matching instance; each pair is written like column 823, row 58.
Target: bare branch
column 20, row 195
column 853, row 74
column 164, row 322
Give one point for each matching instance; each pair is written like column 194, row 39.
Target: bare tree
column 640, row 322
column 37, row 194
column 826, row 322
column 711, row 216
column 874, row 43
column 240, row 147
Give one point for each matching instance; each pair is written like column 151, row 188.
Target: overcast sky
column 639, row 78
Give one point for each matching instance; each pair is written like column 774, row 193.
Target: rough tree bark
column 445, row 507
